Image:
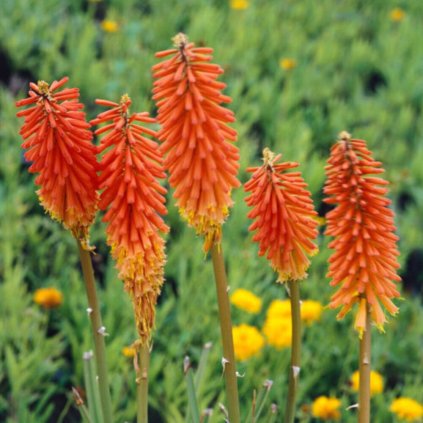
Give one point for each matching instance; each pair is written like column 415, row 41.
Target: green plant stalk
column 294, row 371
column 226, row 332
column 91, row 387
column 96, row 325
column 364, row 370
column 142, row 384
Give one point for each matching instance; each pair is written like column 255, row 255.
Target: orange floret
column 58, row 142
column 130, row 168
column 200, row 156
column 364, row 264
column 284, row 216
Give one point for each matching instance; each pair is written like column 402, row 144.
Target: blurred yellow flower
column 246, row 300
column 48, row 297
column 109, row 26
column 397, row 14
column 278, row 331
column 279, row 309
column 287, row 63
column 326, row 408
column 129, row 351
column 321, row 221
column 311, row 311
column 248, row 341
column 407, row 409
column 376, row 382
column 239, row 4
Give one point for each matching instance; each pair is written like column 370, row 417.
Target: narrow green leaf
column 192, row 398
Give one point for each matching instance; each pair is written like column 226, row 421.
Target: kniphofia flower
column 364, row 263
column 283, row 214
column 200, row 156
column 58, row 142
column 130, row 168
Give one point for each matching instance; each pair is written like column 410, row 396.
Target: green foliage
column 356, row 70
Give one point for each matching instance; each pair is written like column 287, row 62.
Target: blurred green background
column 299, row 72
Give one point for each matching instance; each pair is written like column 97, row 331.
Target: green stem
column 226, row 331
column 98, row 335
column 364, row 369
column 294, row 371
column 92, row 389
column 142, row 388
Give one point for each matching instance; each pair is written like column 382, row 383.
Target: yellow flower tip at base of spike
column 204, row 226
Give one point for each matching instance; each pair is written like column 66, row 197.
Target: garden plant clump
column 269, row 271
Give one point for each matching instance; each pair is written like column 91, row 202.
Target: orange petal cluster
column 200, row 156
column 365, row 259
column 58, row 142
column 129, row 170
column 284, row 216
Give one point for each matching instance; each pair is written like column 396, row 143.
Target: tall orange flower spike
column 365, row 259
column 284, row 216
column 59, row 145
column 198, row 143
column 134, row 201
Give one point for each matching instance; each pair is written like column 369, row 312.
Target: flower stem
column 364, row 369
column 294, row 371
column 142, row 388
column 226, row 331
column 96, row 325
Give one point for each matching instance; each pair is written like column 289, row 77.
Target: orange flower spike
column 284, row 216
column 135, row 202
column 198, row 143
column 364, row 263
column 58, row 142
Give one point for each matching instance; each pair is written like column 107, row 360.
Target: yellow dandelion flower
column 288, row 63
column 239, row 4
column 48, row 297
column 397, row 15
column 279, row 309
column 246, row 300
column 248, row 341
column 311, row 311
column 278, row 332
column 326, row 408
column 407, row 409
column 376, row 382
column 129, row 351
column 109, row 26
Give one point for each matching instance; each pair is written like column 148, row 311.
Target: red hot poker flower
column 198, row 143
column 59, row 145
column 134, row 201
column 365, row 259
column 284, row 216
